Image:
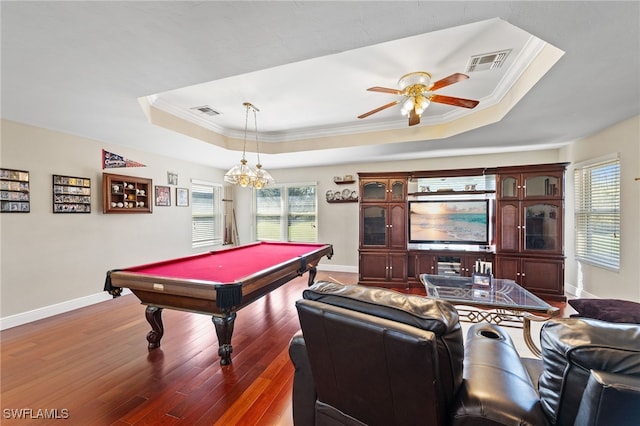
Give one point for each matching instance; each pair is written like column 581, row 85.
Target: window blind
column 597, row 213
column 206, row 216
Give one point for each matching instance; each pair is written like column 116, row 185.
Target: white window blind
column 206, row 214
column 597, row 213
column 287, row 213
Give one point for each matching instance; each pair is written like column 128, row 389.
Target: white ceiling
column 86, row 68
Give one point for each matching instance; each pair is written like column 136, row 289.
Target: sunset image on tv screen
column 449, row 221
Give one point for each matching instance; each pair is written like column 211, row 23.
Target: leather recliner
column 371, row 356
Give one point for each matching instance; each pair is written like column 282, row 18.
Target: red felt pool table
column 216, row 283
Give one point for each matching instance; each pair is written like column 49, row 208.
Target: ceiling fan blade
column 413, row 118
column 453, row 78
column 385, row 90
column 449, row 100
column 373, row 111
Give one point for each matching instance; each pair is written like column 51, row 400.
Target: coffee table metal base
column 504, row 318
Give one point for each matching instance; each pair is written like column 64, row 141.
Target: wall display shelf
column 343, row 180
column 71, row 194
column 126, row 194
column 14, row 191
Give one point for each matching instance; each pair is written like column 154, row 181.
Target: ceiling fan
column 417, row 90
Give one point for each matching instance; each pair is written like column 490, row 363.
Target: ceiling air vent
column 206, row 110
column 487, row 61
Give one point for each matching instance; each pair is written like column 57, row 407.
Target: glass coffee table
column 504, row 303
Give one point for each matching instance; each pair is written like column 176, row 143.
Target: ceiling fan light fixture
column 413, row 78
column 421, row 103
column 407, row 106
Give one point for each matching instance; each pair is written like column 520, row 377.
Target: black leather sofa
column 370, row 356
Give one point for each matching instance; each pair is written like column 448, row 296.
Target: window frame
column 589, row 214
column 217, row 214
column 285, row 210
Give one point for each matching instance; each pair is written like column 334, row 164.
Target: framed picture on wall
column 182, row 197
column 163, row 196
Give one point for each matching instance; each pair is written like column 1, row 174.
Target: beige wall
column 622, row 139
column 55, row 262
column 50, row 259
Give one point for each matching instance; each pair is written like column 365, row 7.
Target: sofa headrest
column 571, row 347
column 437, row 316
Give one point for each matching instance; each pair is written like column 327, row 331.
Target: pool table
column 216, row 283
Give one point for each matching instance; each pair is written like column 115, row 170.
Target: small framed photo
column 182, row 197
column 172, row 178
column 163, row 196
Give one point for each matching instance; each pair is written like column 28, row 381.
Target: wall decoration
column 182, row 197
column 112, row 161
column 163, row 196
column 71, row 194
column 14, row 191
column 126, row 194
column 172, row 178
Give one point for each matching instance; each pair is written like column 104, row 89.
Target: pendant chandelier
column 243, row 174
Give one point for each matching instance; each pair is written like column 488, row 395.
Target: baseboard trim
column 70, row 305
column 578, row 292
column 51, row 310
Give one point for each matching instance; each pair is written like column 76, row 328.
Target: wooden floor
column 93, row 366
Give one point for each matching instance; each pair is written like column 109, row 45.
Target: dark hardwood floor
column 92, row 364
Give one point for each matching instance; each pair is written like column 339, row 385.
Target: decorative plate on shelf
column 354, row 195
column 346, row 193
column 329, row 195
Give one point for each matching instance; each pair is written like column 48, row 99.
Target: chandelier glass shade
column 243, row 174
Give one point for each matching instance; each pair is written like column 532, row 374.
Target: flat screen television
column 450, row 222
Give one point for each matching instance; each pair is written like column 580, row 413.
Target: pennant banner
column 112, row 161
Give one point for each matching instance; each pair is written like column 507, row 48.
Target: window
column 597, row 213
column 206, row 214
column 287, row 213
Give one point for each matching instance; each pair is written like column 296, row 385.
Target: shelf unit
column 71, row 194
column 126, row 194
column 14, row 191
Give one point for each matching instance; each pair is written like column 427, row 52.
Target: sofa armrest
column 496, row 388
column 304, row 390
column 609, row 399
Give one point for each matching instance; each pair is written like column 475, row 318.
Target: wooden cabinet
column 379, row 267
column 383, row 189
column 383, row 226
column 126, row 194
column 444, row 262
column 543, row 276
column 383, row 229
column 529, row 227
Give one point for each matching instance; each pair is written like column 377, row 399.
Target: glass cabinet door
column 397, row 191
column 509, row 187
column 542, row 186
column 374, row 226
column 543, row 227
column 374, row 191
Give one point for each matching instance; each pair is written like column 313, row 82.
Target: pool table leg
column 224, row 330
column 154, row 316
column 312, row 275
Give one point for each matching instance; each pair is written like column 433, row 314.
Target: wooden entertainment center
column 525, row 226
